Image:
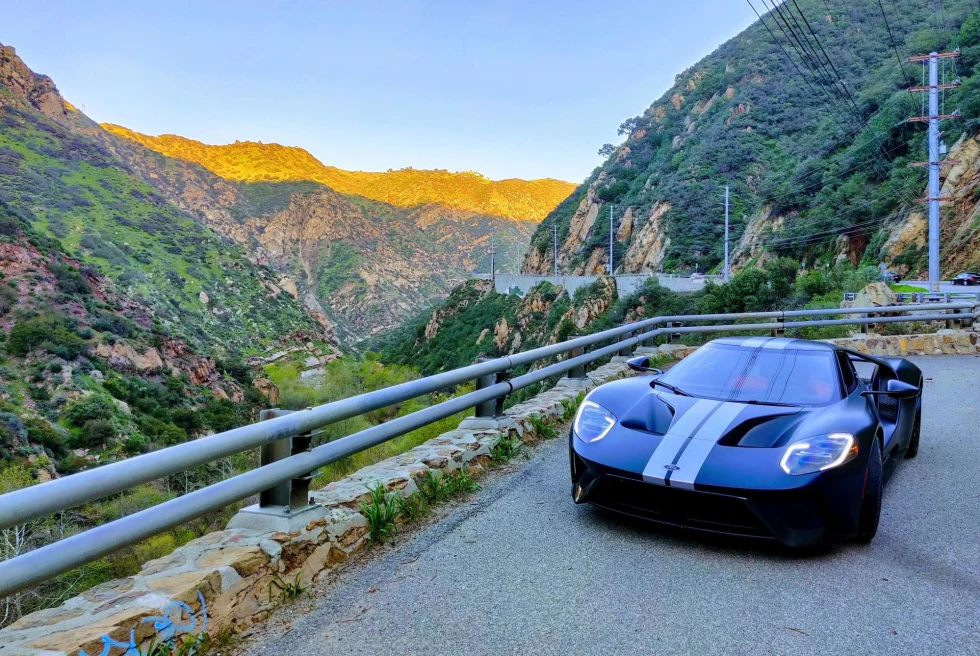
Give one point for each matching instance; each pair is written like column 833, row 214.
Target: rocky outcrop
column 905, row 249
column 29, row 88
column 123, row 356
column 649, row 246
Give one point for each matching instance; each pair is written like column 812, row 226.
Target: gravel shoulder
column 519, row 568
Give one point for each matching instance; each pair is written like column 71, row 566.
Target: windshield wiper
column 675, row 390
column 758, row 402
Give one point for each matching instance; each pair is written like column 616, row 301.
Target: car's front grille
column 704, row 510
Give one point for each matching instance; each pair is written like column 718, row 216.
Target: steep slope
column 248, row 161
column 815, row 173
column 196, row 284
column 366, row 265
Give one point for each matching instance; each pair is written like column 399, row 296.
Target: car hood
column 727, row 423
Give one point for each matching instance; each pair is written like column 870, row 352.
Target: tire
column 871, row 500
column 913, row 449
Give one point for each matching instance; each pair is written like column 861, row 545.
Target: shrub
column 49, row 332
column 95, row 432
column 221, row 415
column 114, row 323
column 41, row 432
column 89, row 408
column 189, row 420
column 8, row 299
column 69, row 281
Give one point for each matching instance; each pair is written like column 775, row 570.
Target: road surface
column 522, row 570
column 944, row 286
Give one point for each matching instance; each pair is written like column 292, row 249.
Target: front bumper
column 810, row 515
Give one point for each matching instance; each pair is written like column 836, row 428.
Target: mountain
column 124, row 322
column 248, row 161
column 816, row 172
column 368, row 265
column 70, row 189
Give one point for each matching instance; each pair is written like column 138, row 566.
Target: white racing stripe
column 778, row 343
column 677, row 435
column 755, row 342
column 697, row 450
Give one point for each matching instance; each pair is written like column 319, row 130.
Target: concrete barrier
column 625, row 284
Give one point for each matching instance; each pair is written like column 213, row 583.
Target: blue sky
column 506, row 88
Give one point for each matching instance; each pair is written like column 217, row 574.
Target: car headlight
column 818, row 453
column 592, row 422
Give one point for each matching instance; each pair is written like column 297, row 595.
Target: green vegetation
column 381, row 511
column 69, row 189
column 288, row 590
column 743, row 116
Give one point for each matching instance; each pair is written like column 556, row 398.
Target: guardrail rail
column 288, row 461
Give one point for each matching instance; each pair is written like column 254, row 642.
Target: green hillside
column 822, row 163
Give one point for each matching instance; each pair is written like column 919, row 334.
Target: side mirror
column 641, row 364
column 901, row 390
column 895, row 389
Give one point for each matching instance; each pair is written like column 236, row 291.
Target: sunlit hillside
column 248, row 161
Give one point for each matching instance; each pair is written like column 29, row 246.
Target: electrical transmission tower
column 937, row 112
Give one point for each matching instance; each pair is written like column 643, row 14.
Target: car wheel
column 914, row 440
column 871, row 501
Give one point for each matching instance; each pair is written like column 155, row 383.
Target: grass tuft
column 381, row 512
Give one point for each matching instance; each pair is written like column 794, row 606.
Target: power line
column 840, row 79
column 801, row 52
column 797, row 67
column 892, row 38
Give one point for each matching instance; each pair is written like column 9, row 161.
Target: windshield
column 733, row 373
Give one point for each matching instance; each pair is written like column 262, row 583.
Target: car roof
column 775, row 343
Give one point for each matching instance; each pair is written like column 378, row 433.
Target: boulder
column 877, row 294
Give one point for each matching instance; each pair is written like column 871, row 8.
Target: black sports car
column 891, row 276
column 966, row 278
column 765, row 437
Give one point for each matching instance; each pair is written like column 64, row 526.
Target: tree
column 630, row 125
column 607, row 150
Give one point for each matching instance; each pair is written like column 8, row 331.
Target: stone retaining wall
column 231, row 579
column 948, row 342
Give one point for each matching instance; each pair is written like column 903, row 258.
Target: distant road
column 944, row 286
column 522, row 570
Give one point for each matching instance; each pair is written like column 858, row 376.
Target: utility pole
column 491, row 257
column 556, row 252
column 518, row 259
column 726, row 233
column 933, row 118
column 611, row 239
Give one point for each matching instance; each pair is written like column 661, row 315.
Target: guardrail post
column 673, row 338
column 864, row 326
column 625, row 351
column 494, row 408
column 780, row 330
column 270, row 453
column 577, row 372
column 950, row 322
column 965, row 317
column 285, row 506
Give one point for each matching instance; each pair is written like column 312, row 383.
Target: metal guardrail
column 288, row 461
column 927, row 297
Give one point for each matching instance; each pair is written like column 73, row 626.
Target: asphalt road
column 944, row 286
column 523, row 570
